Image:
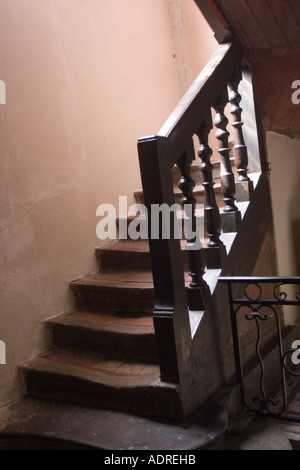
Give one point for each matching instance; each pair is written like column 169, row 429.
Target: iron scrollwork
column 282, row 295
column 287, row 368
column 261, row 310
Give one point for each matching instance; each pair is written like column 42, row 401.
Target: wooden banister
column 191, row 110
column 173, row 145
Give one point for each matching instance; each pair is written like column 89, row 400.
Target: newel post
column 170, row 315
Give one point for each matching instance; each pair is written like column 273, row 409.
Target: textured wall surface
column 84, row 80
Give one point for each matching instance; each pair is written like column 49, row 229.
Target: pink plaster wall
column 84, row 80
column 200, row 37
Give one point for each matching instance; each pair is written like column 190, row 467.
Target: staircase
column 144, row 360
column 104, row 357
column 143, row 340
column 104, row 351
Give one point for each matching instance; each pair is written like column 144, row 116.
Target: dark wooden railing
column 174, row 145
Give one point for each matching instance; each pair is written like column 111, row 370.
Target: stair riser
column 116, row 261
column 139, row 197
column 120, row 261
column 137, row 301
column 127, row 222
column 152, row 401
column 110, row 345
column 196, row 174
column 114, row 299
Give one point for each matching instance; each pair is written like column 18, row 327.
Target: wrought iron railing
column 260, row 300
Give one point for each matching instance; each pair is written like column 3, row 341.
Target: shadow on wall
column 292, row 313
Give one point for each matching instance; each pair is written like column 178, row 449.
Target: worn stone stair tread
column 113, row 335
column 123, row 279
column 90, row 368
column 180, row 215
column 260, row 434
column 124, row 291
column 32, row 423
column 108, row 321
column 196, row 172
column 85, row 379
column 124, row 255
column 128, row 246
column 198, row 189
column 198, row 192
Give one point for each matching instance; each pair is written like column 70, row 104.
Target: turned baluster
column 194, row 249
column 188, row 202
column 244, row 184
column 215, row 248
column 231, row 216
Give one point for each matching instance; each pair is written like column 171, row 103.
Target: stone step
column 141, row 227
column 114, row 336
column 196, row 172
column 35, row 424
column 124, row 291
column 197, row 176
column 125, row 255
column 89, row 381
column 129, row 255
column 260, row 434
column 198, row 194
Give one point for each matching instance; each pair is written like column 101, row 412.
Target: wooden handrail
column 186, row 118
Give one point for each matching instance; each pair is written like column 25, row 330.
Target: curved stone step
column 130, row 255
column 123, row 292
column 86, row 380
column 34, row 424
column 114, row 336
column 125, row 255
column 198, row 194
column 196, row 172
column 116, row 292
column 125, row 223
